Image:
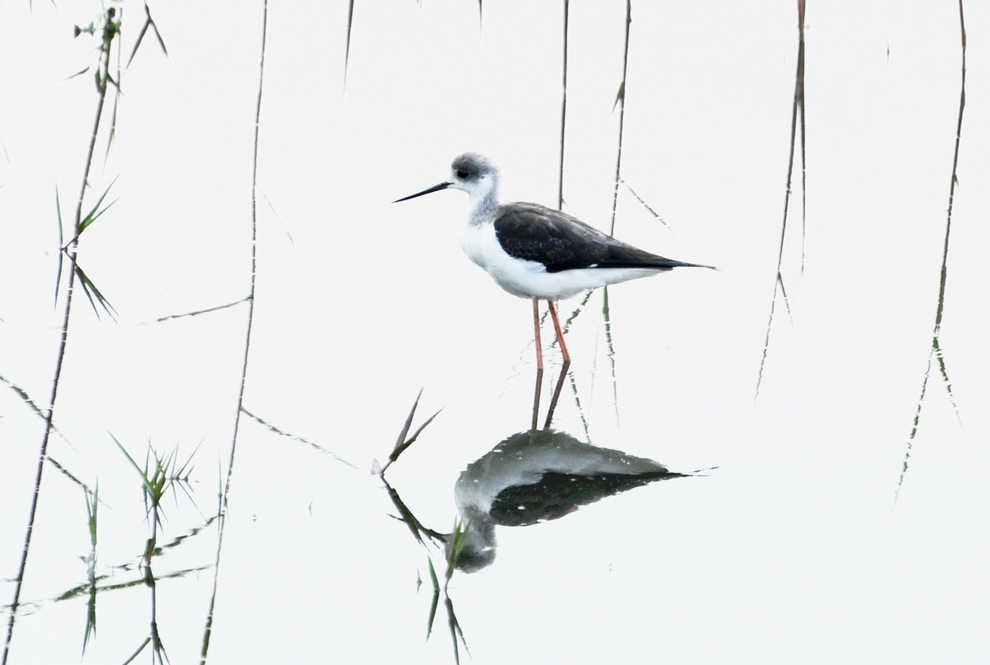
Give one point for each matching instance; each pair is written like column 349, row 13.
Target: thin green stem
column 109, row 33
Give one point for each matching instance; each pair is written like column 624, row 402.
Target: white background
column 807, row 544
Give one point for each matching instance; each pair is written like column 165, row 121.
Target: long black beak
column 435, row 188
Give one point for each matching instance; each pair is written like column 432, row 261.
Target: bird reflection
column 535, row 477
column 530, row 477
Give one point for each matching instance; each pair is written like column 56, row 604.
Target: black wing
column 559, row 494
column 533, row 232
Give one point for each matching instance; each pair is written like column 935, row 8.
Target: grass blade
column 400, row 448
column 347, row 45
column 95, row 213
column 436, row 598
column 148, row 23
column 58, row 214
column 90, row 290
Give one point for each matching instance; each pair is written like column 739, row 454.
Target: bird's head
column 472, row 173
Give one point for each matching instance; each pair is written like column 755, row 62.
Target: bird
column 539, row 253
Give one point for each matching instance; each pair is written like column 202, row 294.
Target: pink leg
column 539, row 363
column 564, row 367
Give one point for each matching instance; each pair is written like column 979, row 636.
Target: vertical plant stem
column 347, row 47
column 63, row 342
column 563, row 110
column 935, row 353
column 247, row 337
column 622, row 114
column 953, row 179
column 797, row 114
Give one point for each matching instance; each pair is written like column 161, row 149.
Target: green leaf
column 58, row 212
column 90, row 290
column 620, row 96
column 95, row 213
column 436, row 599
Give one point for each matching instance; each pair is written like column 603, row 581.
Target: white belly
column 529, row 279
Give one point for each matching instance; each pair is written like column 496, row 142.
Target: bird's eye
column 461, row 174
